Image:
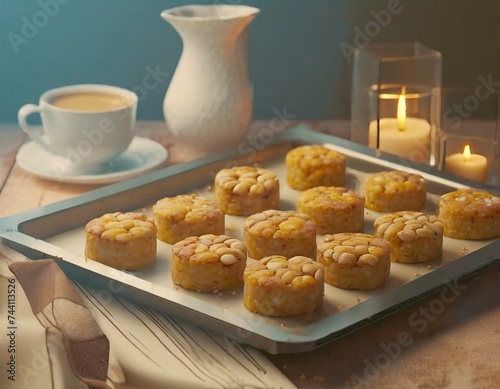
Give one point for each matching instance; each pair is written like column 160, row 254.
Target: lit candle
column 473, row 167
column 402, row 135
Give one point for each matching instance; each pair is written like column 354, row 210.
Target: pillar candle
column 412, row 142
column 473, row 167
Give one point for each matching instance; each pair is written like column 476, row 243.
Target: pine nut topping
column 353, row 249
column 274, row 266
column 296, row 271
column 347, row 258
column 369, row 259
column 247, row 179
column 407, row 235
column 275, row 223
column 228, row 259
column 123, row 227
column 212, row 248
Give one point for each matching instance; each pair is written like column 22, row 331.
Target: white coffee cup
column 85, row 126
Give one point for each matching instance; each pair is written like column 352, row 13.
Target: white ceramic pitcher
column 208, row 105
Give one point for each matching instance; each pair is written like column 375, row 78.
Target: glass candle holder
column 395, row 100
column 468, row 131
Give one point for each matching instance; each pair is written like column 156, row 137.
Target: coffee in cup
column 84, row 126
column 90, row 101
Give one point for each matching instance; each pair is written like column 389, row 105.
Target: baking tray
column 57, row 231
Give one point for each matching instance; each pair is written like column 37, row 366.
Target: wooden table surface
column 437, row 342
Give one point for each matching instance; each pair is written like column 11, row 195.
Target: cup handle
column 24, row 112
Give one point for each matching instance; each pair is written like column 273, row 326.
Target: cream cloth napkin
column 64, row 334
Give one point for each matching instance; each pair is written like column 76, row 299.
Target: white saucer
column 142, row 155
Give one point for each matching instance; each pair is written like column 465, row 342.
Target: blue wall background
column 296, row 56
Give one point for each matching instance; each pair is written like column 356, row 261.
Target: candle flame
column 401, row 116
column 467, row 153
